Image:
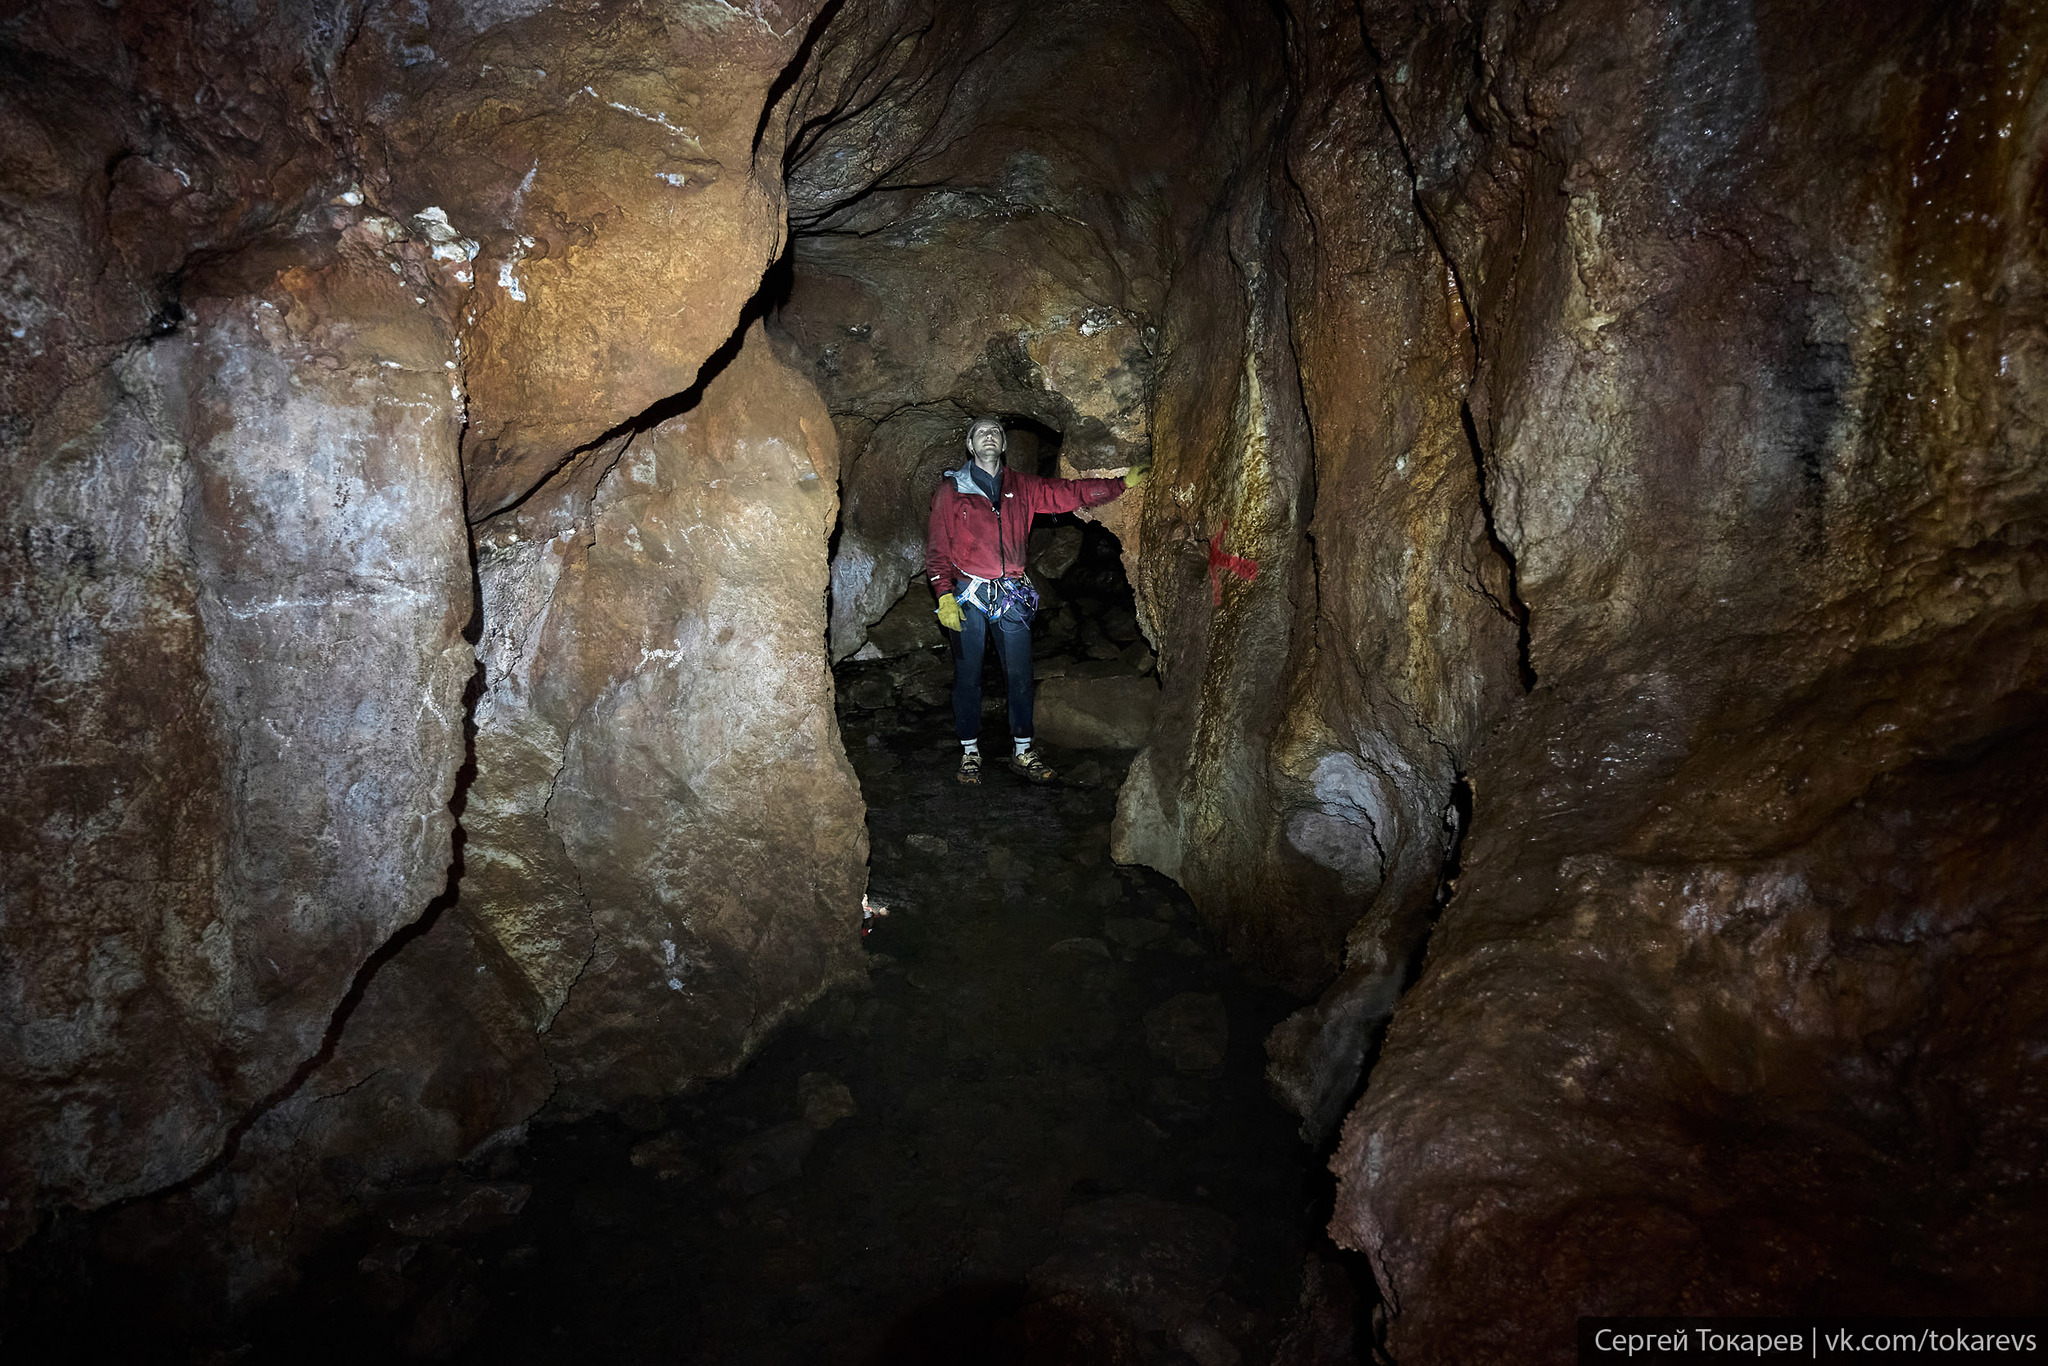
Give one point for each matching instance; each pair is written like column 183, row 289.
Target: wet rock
column 1191, row 1031
column 1081, row 946
column 1150, row 1264
column 825, row 1100
column 930, row 846
column 1099, row 713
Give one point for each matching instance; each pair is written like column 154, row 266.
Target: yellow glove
column 950, row 615
column 1133, row 478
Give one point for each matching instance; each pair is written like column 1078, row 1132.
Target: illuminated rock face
column 346, row 291
column 1757, row 374
column 667, row 839
column 1595, row 453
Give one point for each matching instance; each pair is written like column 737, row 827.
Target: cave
column 1550, row 735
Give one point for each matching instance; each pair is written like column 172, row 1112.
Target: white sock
column 971, row 746
column 1023, row 745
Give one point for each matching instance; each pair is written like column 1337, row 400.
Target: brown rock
column 666, row 592
column 247, row 574
column 1096, row 713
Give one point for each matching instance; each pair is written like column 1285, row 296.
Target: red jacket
column 966, row 529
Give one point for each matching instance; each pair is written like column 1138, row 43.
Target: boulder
column 1096, row 713
column 909, row 625
column 1054, row 549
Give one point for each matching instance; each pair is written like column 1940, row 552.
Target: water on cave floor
column 1055, row 1083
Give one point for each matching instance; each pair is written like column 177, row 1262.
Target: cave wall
column 297, row 297
column 1758, row 307
column 666, row 836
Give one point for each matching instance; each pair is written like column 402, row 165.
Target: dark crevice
column 1515, row 608
column 772, row 292
column 794, row 70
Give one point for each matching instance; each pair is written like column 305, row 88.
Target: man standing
column 981, row 522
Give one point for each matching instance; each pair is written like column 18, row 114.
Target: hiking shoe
column 970, row 768
column 1031, row 768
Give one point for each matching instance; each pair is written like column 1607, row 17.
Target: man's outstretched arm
column 1067, row 495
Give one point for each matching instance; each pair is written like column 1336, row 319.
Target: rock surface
column 966, row 245
column 1593, row 552
column 236, row 672
column 1757, row 397
column 1096, row 713
column 291, row 299
column 665, row 835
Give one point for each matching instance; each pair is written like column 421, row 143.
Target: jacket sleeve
column 1064, row 495
column 938, row 547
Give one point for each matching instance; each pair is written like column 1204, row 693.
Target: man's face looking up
column 985, row 442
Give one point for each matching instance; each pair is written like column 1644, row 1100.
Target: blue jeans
column 1013, row 647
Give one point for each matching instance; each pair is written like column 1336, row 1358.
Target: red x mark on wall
column 1220, row 559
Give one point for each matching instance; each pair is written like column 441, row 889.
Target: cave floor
column 1058, row 1100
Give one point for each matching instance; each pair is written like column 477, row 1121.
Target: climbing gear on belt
column 1031, row 768
column 950, row 615
column 970, row 767
column 1007, row 599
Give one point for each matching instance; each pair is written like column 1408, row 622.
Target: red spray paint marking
column 1219, row 559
